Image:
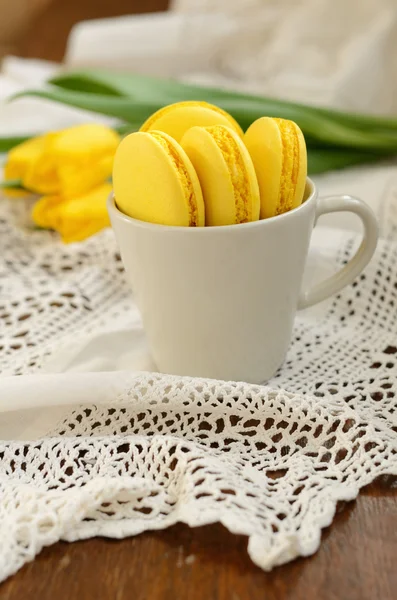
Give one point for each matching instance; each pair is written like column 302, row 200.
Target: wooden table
column 356, row 560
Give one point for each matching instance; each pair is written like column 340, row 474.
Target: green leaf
column 121, row 107
column 82, row 82
column 125, row 128
column 7, row 143
column 313, row 125
column 321, row 160
column 135, row 86
column 145, row 87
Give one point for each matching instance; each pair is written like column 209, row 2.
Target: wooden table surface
column 356, row 560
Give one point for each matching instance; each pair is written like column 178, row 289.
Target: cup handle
column 349, row 272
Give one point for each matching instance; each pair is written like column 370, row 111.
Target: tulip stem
column 11, row 183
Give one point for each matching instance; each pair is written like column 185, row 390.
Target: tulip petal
column 84, row 231
column 76, row 218
column 41, row 171
column 20, row 157
column 69, row 162
column 76, row 178
column 46, row 212
column 84, row 156
column 83, row 141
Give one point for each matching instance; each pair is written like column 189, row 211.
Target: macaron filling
column 290, row 165
column 182, row 173
column 238, row 173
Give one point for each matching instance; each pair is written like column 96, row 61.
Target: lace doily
column 267, row 462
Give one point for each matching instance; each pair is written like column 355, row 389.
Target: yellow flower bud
column 68, row 162
column 19, row 160
column 23, row 155
column 74, row 218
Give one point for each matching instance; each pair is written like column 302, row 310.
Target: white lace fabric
column 268, row 462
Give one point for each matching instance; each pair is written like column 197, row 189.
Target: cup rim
column 113, row 210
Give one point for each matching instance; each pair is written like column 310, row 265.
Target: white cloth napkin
column 25, row 116
column 341, row 54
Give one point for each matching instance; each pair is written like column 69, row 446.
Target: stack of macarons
column 192, row 165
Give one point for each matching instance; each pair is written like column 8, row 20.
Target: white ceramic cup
column 220, row 302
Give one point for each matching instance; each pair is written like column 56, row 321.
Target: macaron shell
column 177, row 118
column 263, row 141
column 226, row 173
column 154, row 181
column 278, row 151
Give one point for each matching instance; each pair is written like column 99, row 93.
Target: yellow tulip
column 22, row 156
column 68, row 162
column 75, row 218
column 19, row 160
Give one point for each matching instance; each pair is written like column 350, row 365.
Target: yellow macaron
column 176, row 119
column 226, row 174
column 278, row 151
column 154, row 181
